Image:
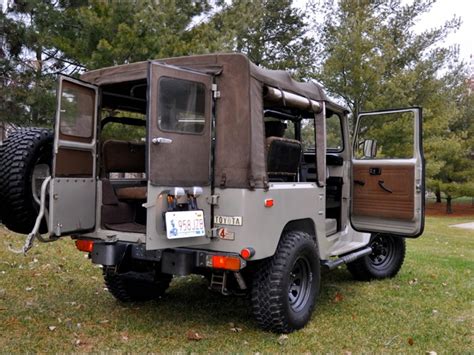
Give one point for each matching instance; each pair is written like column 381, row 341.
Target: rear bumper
column 179, row 261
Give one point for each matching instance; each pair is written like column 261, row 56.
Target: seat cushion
column 123, row 157
column 283, row 156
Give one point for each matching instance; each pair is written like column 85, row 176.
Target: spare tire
column 21, row 153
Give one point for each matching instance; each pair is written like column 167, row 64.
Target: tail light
column 85, row 245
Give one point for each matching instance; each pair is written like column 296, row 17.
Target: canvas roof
column 209, row 63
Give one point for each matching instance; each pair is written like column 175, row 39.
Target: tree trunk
column 438, row 195
column 449, row 207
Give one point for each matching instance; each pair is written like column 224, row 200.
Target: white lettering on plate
column 228, row 220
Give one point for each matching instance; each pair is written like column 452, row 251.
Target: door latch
column 375, row 171
column 161, row 140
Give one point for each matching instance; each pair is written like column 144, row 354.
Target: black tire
column 285, row 286
column 20, row 153
column 385, row 260
column 136, row 286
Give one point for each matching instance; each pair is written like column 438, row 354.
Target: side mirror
column 370, row 148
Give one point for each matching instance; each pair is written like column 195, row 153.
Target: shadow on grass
column 189, row 302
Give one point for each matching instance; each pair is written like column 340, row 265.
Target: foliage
column 25, row 67
column 108, row 33
column 273, row 33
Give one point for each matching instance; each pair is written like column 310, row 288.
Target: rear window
column 182, row 106
column 77, row 110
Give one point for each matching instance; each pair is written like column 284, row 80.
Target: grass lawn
column 53, row 300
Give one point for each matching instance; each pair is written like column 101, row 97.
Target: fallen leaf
column 338, row 297
column 413, row 282
column 444, row 284
column 124, row 336
column 52, row 327
column 410, row 341
column 192, row 335
column 282, row 339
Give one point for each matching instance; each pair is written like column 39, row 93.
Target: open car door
column 179, row 157
column 388, row 184
column 72, row 203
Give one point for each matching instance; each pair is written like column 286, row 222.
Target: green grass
column 429, row 304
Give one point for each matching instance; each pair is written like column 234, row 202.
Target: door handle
column 381, row 184
column 161, row 140
column 359, row 182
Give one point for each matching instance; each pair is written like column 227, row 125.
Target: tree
column 108, row 33
column 25, row 67
column 273, row 33
column 454, row 153
column 371, row 58
column 369, row 48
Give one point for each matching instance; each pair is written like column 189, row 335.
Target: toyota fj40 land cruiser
column 223, row 169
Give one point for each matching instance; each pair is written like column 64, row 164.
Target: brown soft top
column 211, row 64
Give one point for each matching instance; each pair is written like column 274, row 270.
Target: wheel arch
column 305, row 225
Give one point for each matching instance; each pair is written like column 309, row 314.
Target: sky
column 441, row 11
column 444, row 10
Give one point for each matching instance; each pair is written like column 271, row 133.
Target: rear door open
column 179, row 157
column 388, row 173
column 72, row 203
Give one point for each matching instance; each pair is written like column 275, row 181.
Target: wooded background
column 366, row 53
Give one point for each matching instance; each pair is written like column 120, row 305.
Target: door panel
column 179, row 150
column 370, row 198
column 72, row 202
column 388, row 173
column 179, row 117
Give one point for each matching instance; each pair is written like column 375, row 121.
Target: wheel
column 136, row 286
column 285, row 286
column 385, row 260
column 23, row 153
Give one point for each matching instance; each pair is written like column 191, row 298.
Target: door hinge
column 215, row 93
column 213, row 200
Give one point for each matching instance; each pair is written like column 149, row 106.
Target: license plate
column 184, row 224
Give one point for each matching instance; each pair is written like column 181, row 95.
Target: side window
column 334, row 141
column 181, row 106
column 308, row 135
column 385, row 136
column 77, row 110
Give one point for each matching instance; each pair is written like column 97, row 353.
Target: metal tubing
column 332, row 264
column 35, row 232
column 291, row 100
